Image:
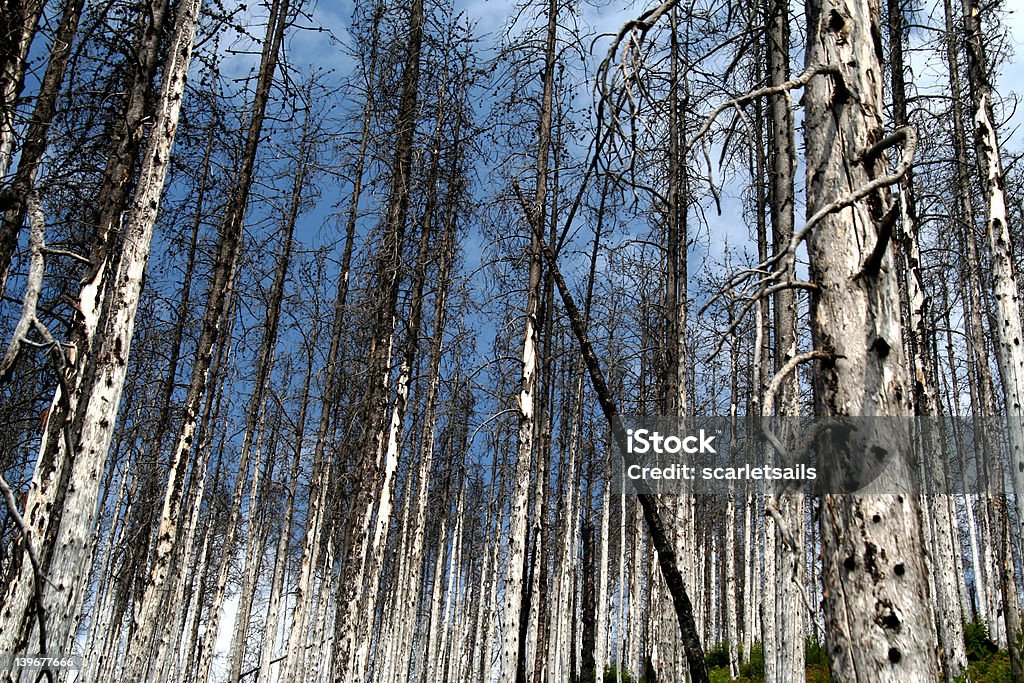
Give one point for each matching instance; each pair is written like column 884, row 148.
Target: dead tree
column 67, row 521
column 229, row 247
column 873, row 547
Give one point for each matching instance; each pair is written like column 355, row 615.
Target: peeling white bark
column 873, row 547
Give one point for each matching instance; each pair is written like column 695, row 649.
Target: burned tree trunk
column 68, row 523
column 229, row 247
column 784, row 574
column 351, row 653
column 36, row 135
column 19, row 22
column 943, row 536
column 873, row 547
column 511, row 655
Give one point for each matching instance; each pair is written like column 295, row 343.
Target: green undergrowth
column 986, row 663
column 716, row 658
column 752, row 670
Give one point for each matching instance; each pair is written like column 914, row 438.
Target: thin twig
column 641, row 24
column 798, row 82
column 69, row 254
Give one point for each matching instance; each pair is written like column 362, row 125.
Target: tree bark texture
column 873, row 547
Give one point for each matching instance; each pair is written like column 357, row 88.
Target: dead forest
column 317, row 321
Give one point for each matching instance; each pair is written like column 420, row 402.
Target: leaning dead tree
column 658, row 529
column 36, row 136
column 19, row 23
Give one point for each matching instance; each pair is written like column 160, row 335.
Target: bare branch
column 61, row 361
column 909, row 138
column 641, row 24
column 798, row 82
column 33, row 286
column 69, row 254
column 760, row 292
column 787, row 537
column 770, row 270
column 773, row 388
column 788, row 367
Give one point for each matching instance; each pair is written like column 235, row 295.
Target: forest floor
column 988, row 663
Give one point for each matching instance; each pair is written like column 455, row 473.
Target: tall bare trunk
column 225, row 266
column 944, row 539
column 988, row 589
column 785, row 661
column 873, row 547
column 425, row 449
column 323, row 452
column 511, row 655
column 36, row 135
column 49, row 487
column 350, row 656
column 19, row 21
column 1007, row 329
column 264, row 364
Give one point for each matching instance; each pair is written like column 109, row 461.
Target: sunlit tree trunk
column 229, row 248
column 90, row 412
column 784, row 576
column 36, row 134
column 945, row 541
column 375, row 464
column 873, row 547
column 1007, row 328
column 426, row 439
column 511, row 655
column 19, row 22
column 47, row 494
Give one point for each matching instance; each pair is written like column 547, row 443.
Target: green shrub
column 814, row 653
column 987, row 663
column 754, row 666
column 611, row 675
column 977, row 641
column 995, row 668
column 717, row 656
column 719, row 675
